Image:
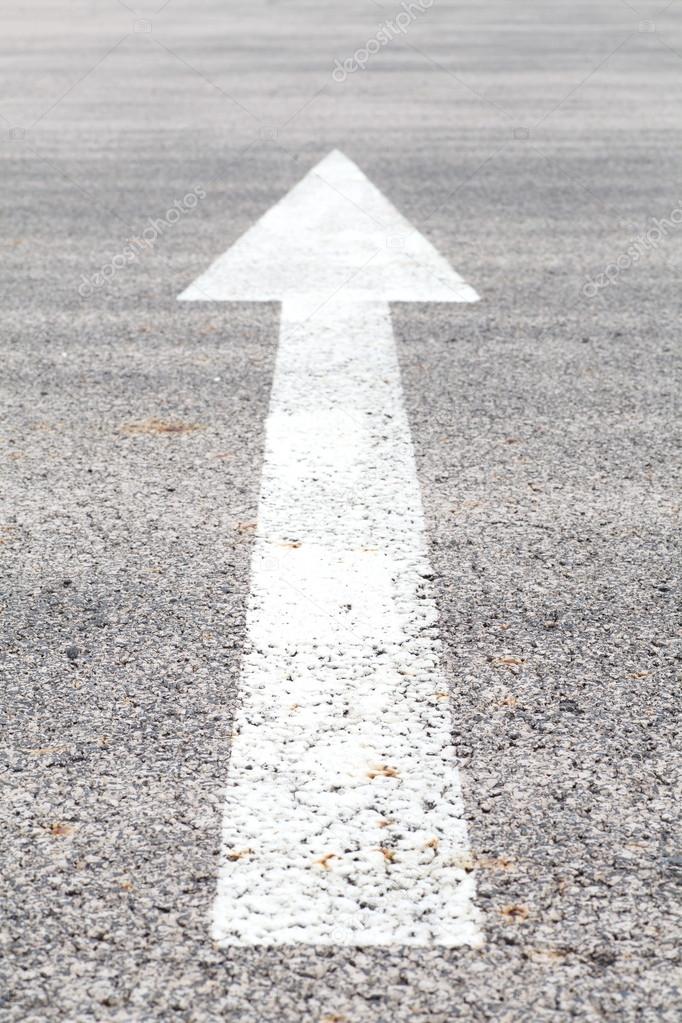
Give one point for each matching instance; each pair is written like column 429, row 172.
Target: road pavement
column 536, row 146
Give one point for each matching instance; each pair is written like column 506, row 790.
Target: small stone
column 72, row 652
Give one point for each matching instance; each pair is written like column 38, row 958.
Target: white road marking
column 344, row 821
column 333, row 230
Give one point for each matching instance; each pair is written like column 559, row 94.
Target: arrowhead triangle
column 333, row 230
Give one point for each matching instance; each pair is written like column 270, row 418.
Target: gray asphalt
column 531, row 142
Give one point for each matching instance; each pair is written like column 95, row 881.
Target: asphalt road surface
column 536, row 145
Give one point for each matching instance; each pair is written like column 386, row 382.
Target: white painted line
column 344, row 821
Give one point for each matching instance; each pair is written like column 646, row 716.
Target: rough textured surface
column 546, row 440
column 344, row 822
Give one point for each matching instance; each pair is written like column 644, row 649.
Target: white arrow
column 344, row 820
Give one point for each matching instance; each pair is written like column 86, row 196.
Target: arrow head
column 334, row 230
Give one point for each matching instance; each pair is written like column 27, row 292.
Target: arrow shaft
column 344, row 819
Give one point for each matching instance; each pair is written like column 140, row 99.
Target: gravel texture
column 530, row 145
